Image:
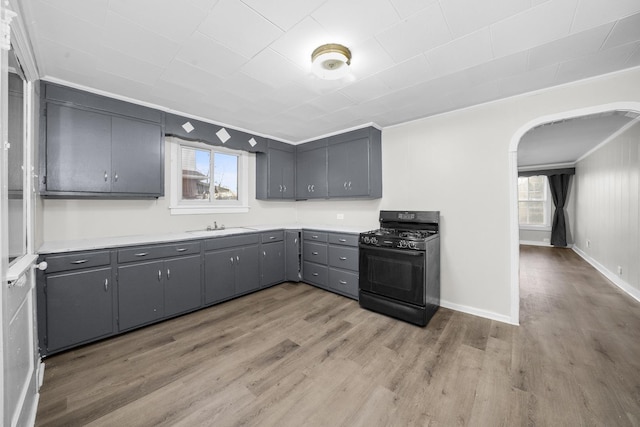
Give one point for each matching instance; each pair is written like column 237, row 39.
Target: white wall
column 458, row 163
column 608, row 189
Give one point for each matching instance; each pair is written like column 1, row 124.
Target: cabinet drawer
column 315, row 252
column 141, row 253
column 343, row 257
column 314, row 273
column 343, row 281
column 229, row 242
column 77, row 261
column 315, row 235
column 344, row 239
column 273, row 236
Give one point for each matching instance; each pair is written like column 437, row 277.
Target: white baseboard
column 477, row 312
column 40, row 374
column 614, row 278
column 537, row 243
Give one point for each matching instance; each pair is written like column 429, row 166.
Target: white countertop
column 61, row 246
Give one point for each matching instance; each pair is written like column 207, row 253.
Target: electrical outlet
column 339, row 216
column 619, row 270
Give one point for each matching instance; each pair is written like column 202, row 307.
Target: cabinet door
column 136, row 157
column 248, row 269
column 78, row 150
column 349, row 168
column 140, row 293
column 219, row 275
column 312, row 174
column 286, row 164
column 292, row 251
column 272, row 263
column 182, row 286
column 79, row 307
column 280, row 166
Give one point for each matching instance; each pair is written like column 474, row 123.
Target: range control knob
column 402, row 244
column 412, row 245
column 367, row 240
column 374, row 240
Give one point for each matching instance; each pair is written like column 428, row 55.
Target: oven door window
column 393, row 273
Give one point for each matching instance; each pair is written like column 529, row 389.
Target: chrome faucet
column 215, row 226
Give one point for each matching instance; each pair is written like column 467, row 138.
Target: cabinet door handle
column 345, row 185
column 295, row 240
column 142, row 254
column 264, row 253
column 168, row 274
column 115, row 177
column 181, row 249
column 159, row 275
column 314, row 253
column 80, row 261
column 342, row 282
column 313, row 188
column 106, row 285
column 342, row 240
column 238, row 258
column 231, row 260
column 106, row 177
column 314, row 274
column 281, row 188
column 349, row 185
column 309, row 188
column 284, row 188
column 343, row 258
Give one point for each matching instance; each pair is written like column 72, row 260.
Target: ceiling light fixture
column 331, row 61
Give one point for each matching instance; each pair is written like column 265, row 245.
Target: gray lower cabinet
column 76, row 303
column 292, row 255
column 331, row 261
column 140, row 294
column 169, row 283
column 272, row 263
column 231, row 272
column 79, row 308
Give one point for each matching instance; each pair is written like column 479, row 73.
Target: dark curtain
column 559, row 185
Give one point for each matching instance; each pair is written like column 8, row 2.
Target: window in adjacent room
column 534, row 206
column 207, row 179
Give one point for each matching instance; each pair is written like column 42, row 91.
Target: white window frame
column 547, row 211
column 194, row 207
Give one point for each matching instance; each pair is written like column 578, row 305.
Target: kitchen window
column 534, row 205
column 207, row 179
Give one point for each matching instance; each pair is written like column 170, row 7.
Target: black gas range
column 400, row 266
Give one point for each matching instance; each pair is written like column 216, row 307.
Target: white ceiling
column 567, row 141
column 247, row 63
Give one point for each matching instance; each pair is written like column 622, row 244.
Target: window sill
column 535, row 227
column 20, row 267
column 197, row 210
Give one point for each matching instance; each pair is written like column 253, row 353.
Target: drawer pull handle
column 342, row 282
column 314, row 274
column 343, row 258
column 272, row 237
column 106, row 285
column 80, row 261
column 314, row 237
column 314, row 253
column 142, row 254
column 342, row 240
column 181, row 249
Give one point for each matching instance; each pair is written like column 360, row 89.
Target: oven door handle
column 364, row 248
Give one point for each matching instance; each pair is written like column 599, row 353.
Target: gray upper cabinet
column 78, row 150
column 99, row 147
column 136, row 157
column 275, row 172
column 355, row 165
column 311, row 170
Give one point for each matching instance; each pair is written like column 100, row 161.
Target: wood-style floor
column 294, row 355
